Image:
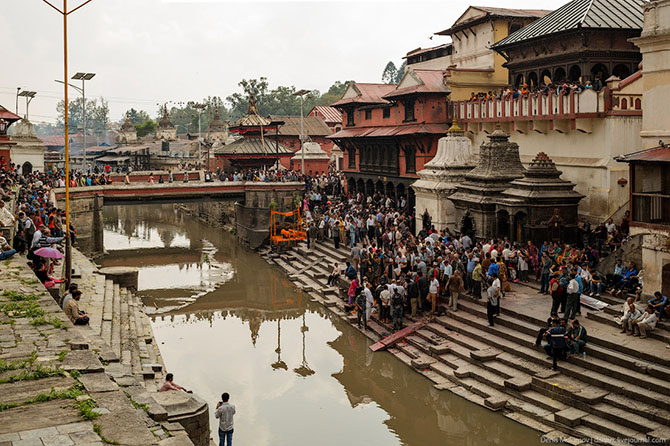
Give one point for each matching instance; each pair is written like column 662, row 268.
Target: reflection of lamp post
column 304, row 369
column 279, row 364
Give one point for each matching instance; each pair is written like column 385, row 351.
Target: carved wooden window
column 409, row 110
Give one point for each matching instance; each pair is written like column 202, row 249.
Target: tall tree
column 401, row 72
column 137, row 116
column 390, row 73
column 97, row 115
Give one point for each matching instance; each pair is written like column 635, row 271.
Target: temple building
column 500, row 197
column 217, row 130
column 166, row 131
column 439, row 178
column 582, row 40
column 7, row 118
column 316, row 160
column 128, row 133
column 313, row 127
column 649, row 178
column 257, row 148
column 390, row 131
column 28, row 152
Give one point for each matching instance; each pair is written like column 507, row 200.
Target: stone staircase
column 125, row 329
column 613, row 392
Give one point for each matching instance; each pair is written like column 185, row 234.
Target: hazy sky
column 150, row 51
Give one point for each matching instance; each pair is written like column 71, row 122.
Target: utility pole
column 83, row 77
column 18, row 89
column 301, row 94
column 68, row 240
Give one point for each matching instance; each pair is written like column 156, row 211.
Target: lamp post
column 68, row 242
column 200, row 108
column 18, row 89
column 301, row 94
column 29, row 95
column 83, row 77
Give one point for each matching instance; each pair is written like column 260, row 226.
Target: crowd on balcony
column 562, row 88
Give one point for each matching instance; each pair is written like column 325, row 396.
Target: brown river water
column 226, row 321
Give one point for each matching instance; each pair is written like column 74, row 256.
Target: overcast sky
column 150, row 51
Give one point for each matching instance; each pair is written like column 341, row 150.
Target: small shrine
column 316, row 159
column 217, row 130
column 166, row 131
column 128, row 133
column 476, row 198
column 7, row 118
column 28, row 152
column 439, row 178
column 256, row 149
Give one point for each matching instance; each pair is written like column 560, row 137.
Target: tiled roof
column 425, row 81
column 487, row 13
column 7, row 115
column 53, row 140
column 386, row 131
column 418, row 51
column 253, row 146
column 367, row 94
column 655, row 154
column 603, row 14
column 330, row 114
column 313, row 125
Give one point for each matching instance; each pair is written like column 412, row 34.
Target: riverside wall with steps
column 43, row 355
column 121, row 332
column 616, row 394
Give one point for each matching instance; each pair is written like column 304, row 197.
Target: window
column 350, row 117
column 409, row 110
column 651, row 193
column 368, row 114
column 352, row 157
column 386, row 113
column 410, row 159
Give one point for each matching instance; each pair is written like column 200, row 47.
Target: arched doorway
column 621, row 71
column 369, row 188
column 379, row 187
column 575, row 73
column 532, row 80
column 599, row 70
column 27, row 168
column 518, row 81
column 352, row 185
column 559, row 75
column 545, row 76
column 502, row 223
column 390, row 190
column 468, row 225
column 520, row 222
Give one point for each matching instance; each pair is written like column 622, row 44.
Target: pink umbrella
column 50, row 253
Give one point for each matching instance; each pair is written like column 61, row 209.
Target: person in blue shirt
column 659, row 302
column 627, row 282
column 493, row 269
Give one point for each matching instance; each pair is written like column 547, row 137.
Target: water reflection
column 298, row 375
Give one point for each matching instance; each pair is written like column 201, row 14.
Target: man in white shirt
column 432, row 293
column 225, row 412
column 644, row 323
column 6, row 217
column 369, row 301
column 573, row 298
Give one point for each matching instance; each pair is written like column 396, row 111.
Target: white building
column 28, row 152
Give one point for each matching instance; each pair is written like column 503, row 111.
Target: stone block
column 660, row 436
column 462, row 372
column 422, row 363
column 487, row 354
column 38, row 433
column 60, row 440
column 440, row 349
column 98, row 382
column 518, row 383
column 85, row 361
column 570, row 417
column 496, row 402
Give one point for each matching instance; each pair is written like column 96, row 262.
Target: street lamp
column 200, row 108
column 83, row 77
column 29, row 95
column 68, row 241
column 301, row 94
column 18, row 89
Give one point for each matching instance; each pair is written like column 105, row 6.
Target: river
column 226, row 321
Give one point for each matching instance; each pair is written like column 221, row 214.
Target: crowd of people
column 561, row 88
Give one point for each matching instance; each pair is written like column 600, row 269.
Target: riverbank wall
column 63, row 384
column 613, row 394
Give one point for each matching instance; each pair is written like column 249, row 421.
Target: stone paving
column 54, row 388
column 615, row 394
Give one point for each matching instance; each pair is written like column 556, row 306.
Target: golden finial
column 454, row 128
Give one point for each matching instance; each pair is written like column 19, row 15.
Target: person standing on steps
column 225, row 412
column 491, row 302
column 360, row 310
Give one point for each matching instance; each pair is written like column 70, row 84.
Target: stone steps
column 661, row 331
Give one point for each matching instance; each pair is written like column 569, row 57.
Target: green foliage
column 16, row 296
column 137, row 116
column 53, row 321
column 61, row 358
column 401, row 72
column 136, row 405
column 390, row 73
column 75, row 374
column 40, row 372
column 97, row 115
column 22, row 308
column 86, row 409
column 184, row 115
column 98, row 430
column 146, row 128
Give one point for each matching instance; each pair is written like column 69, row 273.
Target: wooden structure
column 286, row 234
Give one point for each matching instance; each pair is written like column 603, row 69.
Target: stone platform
column 57, row 385
column 615, row 394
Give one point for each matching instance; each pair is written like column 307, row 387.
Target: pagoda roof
column 581, row 14
column 7, row 115
column 253, row 146
column 253, row 121
column 313, row 125
column 165, row 120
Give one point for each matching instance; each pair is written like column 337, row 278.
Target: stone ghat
column 616, row 394
column 59, row 384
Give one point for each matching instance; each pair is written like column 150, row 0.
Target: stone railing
column 537, row 106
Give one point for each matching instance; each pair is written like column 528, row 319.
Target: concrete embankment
column 615, row 394
column 61, row 384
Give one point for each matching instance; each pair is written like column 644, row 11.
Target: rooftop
column 253, row 146
column 330, row 114
column 313, row 125
column 416, row 81
column 579, row 14
column 655, row 154
column 365, row 93
column 477, row 14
